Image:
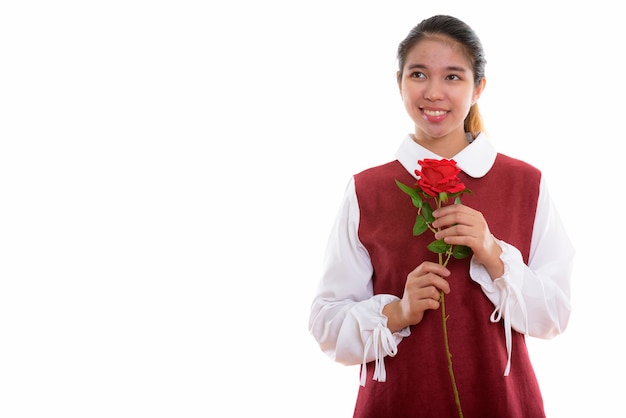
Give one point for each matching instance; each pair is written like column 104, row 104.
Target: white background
column 170, row 170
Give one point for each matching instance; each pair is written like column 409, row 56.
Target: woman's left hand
column 462, row 225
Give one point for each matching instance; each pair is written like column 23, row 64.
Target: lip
column 434, row 114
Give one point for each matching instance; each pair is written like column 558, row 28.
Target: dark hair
column 460, row 32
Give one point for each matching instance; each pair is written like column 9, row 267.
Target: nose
column 433, row 91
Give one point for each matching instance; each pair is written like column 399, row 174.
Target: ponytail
column 473, row 121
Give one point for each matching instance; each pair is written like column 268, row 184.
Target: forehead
column 435, row 49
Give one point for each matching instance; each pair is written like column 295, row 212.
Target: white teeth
column 435, row 112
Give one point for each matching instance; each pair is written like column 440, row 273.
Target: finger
column 433, row 282
column 454, row 218
column 450, row 209
column 425, row 297
column 456, row 231
column 430, row 267
column 465, row 240
column 428, row 304
column 434, row 294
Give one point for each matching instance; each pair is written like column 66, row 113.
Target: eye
column 418, row 74
column 453, row 77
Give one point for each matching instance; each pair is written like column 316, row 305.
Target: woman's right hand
column 421, row 292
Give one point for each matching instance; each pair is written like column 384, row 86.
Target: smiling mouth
column 434, row 112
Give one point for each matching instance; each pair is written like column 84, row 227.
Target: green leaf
column 427, row 211
column 457, row 200
column 420, row 226
column 461, row 251
column 455, row 195
column 439, row 246
column 417, row 202
column 443, row 197
column 413, row 192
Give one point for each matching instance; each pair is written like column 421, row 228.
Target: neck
column 446, row 147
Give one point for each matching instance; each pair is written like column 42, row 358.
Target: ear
column 399, row 81
column 478, row 90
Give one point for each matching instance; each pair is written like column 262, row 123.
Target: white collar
column 475, row 160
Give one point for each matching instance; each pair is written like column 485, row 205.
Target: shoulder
column 506, row 161
column 380, row 172
column 380, row 182
column 515, row 166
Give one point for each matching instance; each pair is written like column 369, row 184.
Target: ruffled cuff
column 383, row 342
column 504, row 294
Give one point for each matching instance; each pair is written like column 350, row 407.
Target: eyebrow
column 449, row 68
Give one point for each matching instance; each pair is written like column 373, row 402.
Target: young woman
column 378, row 302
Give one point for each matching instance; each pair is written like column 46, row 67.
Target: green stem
column 448, row 354
column 444, row 320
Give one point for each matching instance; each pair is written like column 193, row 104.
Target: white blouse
column 346, row 317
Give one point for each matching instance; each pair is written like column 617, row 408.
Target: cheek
column 411, row 100
column 464, row 102
column 408, row 99
column 472, row 99
column 409, row 91
column 405, row 93
column 462, row 95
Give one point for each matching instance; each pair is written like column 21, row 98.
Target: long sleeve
column 346, row 318
column 533, row 299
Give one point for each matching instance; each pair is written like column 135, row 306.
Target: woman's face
column 437, row 87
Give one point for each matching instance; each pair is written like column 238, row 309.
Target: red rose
column 438, row 180
column 439, row 176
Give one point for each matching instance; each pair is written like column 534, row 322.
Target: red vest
column 418, row 382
